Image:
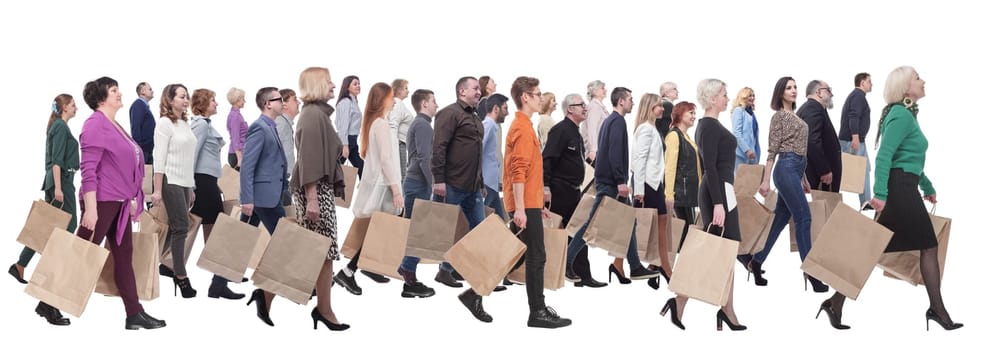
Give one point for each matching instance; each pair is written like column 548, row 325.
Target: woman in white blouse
column 380, row 185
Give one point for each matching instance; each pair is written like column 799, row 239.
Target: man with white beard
column 823, row 151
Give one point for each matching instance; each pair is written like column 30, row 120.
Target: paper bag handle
column 510, row 221
column 63, row 203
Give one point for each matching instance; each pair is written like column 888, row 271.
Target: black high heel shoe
column 948, row 325
column 755, row 267
column 654, row 282
column 671, row 305
column 720, row 317
column 621, row 278
column 17, row 275
column 258, row 296
column 818, row 286
column 832, row 315
column 316, row 315
column 186, row 287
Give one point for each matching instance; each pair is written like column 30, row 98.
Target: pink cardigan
column 109, row 155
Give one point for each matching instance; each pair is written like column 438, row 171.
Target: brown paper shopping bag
column 555, row 248
column 847, row 250
column 230, row 183
column 67, row 273
column 704, row 268
column 385, row 244
column 194, row 221
column 148, row 182
column 852, row 173
column 611, row 227
column 354, row 238
column 580, row 215
column 260, row 245
column 42, row 219
column 228, row 250
column 486, row 254
column 906, row 266
column 434, row 228
column 291, row 262
column 646, row 234
column 748, row 179
column 146, row 258
column 755, row 222
column 349, row 173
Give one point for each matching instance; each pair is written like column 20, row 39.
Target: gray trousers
column 176, row 200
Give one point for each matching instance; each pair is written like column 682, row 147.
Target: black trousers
column 686, row 214
column 534, row 258
column 564, row 199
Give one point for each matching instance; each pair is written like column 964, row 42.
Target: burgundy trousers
column 108, row 217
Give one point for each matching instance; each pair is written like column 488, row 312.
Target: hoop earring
column 908, row 102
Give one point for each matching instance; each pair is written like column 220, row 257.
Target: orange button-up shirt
column 523, row 164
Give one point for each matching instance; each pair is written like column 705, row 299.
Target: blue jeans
column 788, row 173
column 867, row 193
column 578, row 242
column 492, row 200
column 270, row 216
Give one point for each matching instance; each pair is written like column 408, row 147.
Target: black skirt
column 208, row 203
column 905, row 214
column 655, row 199
column 732, row 221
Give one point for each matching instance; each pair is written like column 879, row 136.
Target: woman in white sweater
column 174, row 175
column 648, row 170
column 380, row 184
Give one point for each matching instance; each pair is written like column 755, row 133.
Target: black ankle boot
column 144, row 321
column 755, row 268
column 219, row 289
column 51, row 314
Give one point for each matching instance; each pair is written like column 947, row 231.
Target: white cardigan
column 647, row 158
column 381, row 173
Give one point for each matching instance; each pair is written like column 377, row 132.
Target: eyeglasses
column 578, row 105
column 826, row 89
column 276, row 99
column 534, row 94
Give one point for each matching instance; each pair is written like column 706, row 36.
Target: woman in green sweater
column 900, row 165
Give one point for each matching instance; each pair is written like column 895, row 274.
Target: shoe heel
column 804, row 282
column 718, row 324
column 666, row 307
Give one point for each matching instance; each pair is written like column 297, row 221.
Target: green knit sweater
column 903, row 146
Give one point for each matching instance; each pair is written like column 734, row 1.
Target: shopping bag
column 42, row 219
column 146, row 259
column 434, row 228
column 704, row 268
column 291, row 262
column 68, row 272
column 748, row 179
column 385, row 244
column 486, row 254
column 611, row 227
column 848, row 249
column 229, row 248
column 853, row 173
column 906, row 266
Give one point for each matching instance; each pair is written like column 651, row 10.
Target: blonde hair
column 741, row 98
column 645, row 114
column 707, row 90
column 398, row 85
column 546, row 99
column 234, row 95
column 314, row 84
column 897, row 84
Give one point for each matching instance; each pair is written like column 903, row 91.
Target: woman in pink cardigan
column 111, row 167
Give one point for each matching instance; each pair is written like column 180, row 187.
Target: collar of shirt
column 144, row 101
column 424, row 116
column 269, row 121
column 522, row 115
column 199, row 117
column 466, row 107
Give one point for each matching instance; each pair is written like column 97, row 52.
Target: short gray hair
column 813, row 87
column 593, row 85
column 568, row 101
column 708, row 89
column 666, row 87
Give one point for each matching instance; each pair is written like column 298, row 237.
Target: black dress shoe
column 375, row 277
column 447, row 279
column 547, row 318
column 641, row 273
column 457, row 276
column 473, row 302
column 17, row 275
column 166, row 271
column 348, row 282
column 51, row 314
column 589, row 282
column 507, row 282
column 220, row 290
column 143, row 320
column 499, row 288
column 416, row 290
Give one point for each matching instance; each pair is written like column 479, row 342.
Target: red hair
column 679, row 110
column 377, row 101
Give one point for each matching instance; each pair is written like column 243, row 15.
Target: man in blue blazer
column 263, row 169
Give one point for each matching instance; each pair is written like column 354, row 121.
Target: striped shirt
column 348, row 118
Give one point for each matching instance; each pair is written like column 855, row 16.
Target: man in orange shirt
column 523, row 190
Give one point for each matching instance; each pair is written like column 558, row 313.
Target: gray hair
column 666, row 87
column 593, row 85
column 568, row 101
column 813, row 87
column 708, row 89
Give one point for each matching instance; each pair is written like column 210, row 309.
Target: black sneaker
column 547, row 318
column 416, row 290
column 348, row 282
column 641, row 273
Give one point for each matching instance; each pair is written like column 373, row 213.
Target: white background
column 55, row 47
